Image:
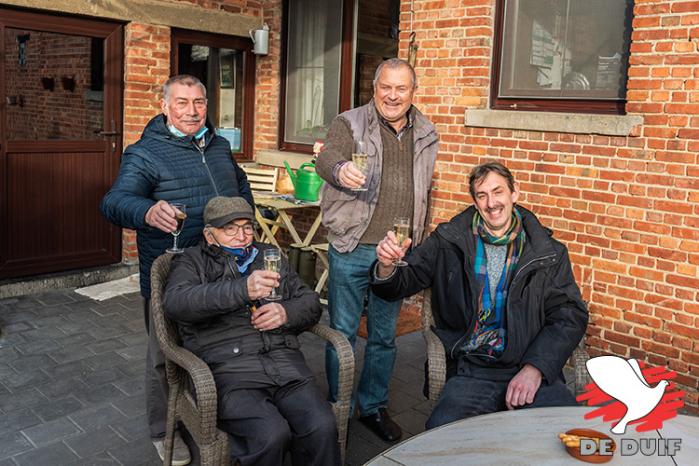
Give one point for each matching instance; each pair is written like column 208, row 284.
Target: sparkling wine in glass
column 360, row 159
column 273, row 260
column 401, row 228
column 180, row 216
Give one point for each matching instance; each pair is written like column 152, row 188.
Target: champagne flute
column 272, row 260
column 360, row 159
column 401, row 228
column 180, row 216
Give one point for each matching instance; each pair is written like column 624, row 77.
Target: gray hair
column 479, row 172
column 394, row 63
column 185, row 80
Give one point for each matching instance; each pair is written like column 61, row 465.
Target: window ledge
column 276, row 158
column 608, row 125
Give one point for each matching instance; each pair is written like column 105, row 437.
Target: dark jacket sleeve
column 189, row 299
column 408, row 280
column 128, row 200
column 244, row 189
column 338, row 147
column 565, row 322
column 302, row 306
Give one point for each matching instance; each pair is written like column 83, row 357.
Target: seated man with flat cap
column 267, row 399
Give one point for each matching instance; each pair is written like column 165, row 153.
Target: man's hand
column 388, row 251
column 523, row 387
column 261, row 282
column 269, row 317
column 162, row 217
column 350, row 176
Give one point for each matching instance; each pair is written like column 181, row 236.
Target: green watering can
column 306, row 182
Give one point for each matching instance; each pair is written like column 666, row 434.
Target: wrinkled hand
column 388, row 251
column 162, row 217
column 523, row 387
column 261, row 282
column 350, row 176
column 269, row 317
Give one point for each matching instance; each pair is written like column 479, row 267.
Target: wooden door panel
column 54, row 174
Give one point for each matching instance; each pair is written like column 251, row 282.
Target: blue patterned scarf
column 488, row 338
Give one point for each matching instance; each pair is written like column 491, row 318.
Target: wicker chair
column 437, row 363
column 192, row 398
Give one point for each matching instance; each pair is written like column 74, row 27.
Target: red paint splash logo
column 611, row 410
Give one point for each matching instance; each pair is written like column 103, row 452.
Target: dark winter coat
column 161, row 166
column 545, row 314
column 208, row 299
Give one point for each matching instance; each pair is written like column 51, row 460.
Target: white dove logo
column 622, row 379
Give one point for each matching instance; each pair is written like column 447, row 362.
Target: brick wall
column 76, row 113
column 626, row 207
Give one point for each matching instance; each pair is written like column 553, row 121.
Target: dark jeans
column 156, row 380
column 474, row 390
column 266, row 422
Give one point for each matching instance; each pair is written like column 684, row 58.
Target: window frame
column 186, row 36
column 591, row 106
column 346, row 72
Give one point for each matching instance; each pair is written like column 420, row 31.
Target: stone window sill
column 608, row 125
column 276, row 158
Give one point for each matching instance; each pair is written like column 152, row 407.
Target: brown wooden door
column 60, row 141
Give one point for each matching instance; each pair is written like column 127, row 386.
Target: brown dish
column 591, row 434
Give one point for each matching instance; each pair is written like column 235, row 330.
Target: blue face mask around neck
column 180, row 134
column 244, row 256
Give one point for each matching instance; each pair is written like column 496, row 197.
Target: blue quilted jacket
column 163, row 166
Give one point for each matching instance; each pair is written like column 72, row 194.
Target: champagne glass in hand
column 273, row 260
column 180, row 216
column 401, row 228
column 360, row 159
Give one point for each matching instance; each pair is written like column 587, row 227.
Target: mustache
column 494, row 208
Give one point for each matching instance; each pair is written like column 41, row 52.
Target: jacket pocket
column 339, row 209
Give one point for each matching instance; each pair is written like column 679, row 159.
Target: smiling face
column 495, row 201
column 185, row 108
column 236, row 234
column 393, row 94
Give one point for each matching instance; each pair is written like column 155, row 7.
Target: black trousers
column 265, row 423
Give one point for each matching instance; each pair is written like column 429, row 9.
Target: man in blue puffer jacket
column 180, row 159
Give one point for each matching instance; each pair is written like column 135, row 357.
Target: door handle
column 108, row 133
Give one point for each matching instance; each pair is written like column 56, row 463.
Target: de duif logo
column 630, row 393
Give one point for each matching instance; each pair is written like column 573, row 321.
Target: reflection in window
column 313, row 69
column 53, row 86
column 221, row 71
column 572, row 49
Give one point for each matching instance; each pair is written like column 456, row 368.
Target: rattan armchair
column 437, row 363
column 192, row 392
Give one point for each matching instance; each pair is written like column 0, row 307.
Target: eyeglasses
column 232, row 229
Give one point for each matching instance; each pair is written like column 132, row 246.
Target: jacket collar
column 539, row 242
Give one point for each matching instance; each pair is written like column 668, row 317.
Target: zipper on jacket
column 208, row 171
column 470, row 330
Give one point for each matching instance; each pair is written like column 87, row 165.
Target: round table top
column 530, row 437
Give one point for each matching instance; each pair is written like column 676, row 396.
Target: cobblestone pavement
column 71, row 383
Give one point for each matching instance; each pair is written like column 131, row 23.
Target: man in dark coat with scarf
column 505, row 301
column 179, row 159
column 219, row 295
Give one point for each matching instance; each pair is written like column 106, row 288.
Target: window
column 330, row 52
column 562, row 55
column 226, row 66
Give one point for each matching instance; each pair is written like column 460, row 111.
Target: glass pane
column 566, row 49
column 221, row 71
column 313, row 69
column 53, row 86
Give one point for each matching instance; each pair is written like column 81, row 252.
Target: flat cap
column 221, row 210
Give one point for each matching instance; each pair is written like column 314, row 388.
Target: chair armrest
column 436, row 364
column 206, row 399
column 345, row 356
column 579, row 360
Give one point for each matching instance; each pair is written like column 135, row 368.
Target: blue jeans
column 348, row 285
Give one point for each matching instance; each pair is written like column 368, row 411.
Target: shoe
column 180, row 450
column 382, row 425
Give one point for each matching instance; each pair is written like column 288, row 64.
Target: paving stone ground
column 71, row 383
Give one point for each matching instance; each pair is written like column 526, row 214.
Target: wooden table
column 529, row 437
column 282, row 206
